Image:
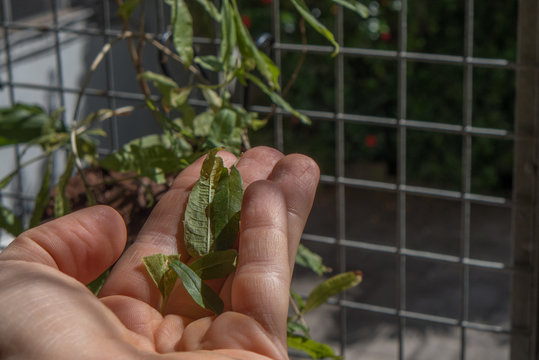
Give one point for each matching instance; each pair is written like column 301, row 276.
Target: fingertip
column 298, row 176
column 257, row 163
column 266, row 151
column 115, row 231
column 189, row 176
column 299, row 166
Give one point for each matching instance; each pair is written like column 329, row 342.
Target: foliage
column 187, row 133
column 206, row 207
column 212, row 215
column 434, row 92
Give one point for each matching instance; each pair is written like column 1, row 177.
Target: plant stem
column 299, row 315
column 297, row 69
column 135, row 54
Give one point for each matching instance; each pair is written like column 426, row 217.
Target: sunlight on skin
column 48, row 313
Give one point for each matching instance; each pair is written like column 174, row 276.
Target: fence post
column 525, row 209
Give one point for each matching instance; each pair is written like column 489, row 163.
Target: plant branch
column 135, row 55
column 125, row 110
column 297, row 69
column 299, row 315
column 20, row 166
column 142, row 19
column 175, row 56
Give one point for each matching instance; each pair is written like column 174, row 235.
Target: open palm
column 47, row 312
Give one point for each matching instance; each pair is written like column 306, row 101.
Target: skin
column 47, row 312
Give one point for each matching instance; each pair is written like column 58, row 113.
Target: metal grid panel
column 523, row 268
column 521, row 331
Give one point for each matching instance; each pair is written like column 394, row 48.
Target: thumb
column 82, row 244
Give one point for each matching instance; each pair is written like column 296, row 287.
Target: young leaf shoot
column 198, row 236
column 163, row 276
column 211, row 224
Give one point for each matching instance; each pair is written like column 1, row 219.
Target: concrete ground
column 432, row 287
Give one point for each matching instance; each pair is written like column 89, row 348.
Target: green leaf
column 202, row 123
column 210, row 62
column 330, row 287
column 199, row 291
column 298, row 299
column 320, row 28
column 354, row 5
column 272, row 75
column 152, row 156
column 96, row 285
column 21, row 123
column 87, row 149
column 248, row 118
column 198, row 236
column 251, row 54
column 42, row 198
column 228, row 35
column 10, row 222
column 170, row 91
column 226, row 209
column 213, row 99
column 164, row 277
column 293, row 326
column 126, row 9
column 61, row 201
column 277, row 99
column 223, row 129
column 7, row 179
column 310, row 260
column 245, row 43
column 188, row 114
column 160, row 81
column 178, row 98
column 215, row 265
column 315, row 349
column 182, row 30
column 210, row 9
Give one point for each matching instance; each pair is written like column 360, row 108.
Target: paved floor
column 432, row 287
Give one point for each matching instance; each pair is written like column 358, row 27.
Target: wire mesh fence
column 425, row 129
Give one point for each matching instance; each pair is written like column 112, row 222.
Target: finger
column 161, row 234
column 261, row 283
column 49, row 315
column 82, row 244
column 257, row 164
column 298, row 176
column 161, row 230
column 231, row 333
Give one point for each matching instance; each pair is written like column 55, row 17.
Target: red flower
column 371, row 141
column 246, row 20
column 385, row 36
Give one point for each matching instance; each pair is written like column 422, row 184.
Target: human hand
column 48, row 313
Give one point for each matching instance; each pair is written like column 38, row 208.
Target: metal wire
column 523, row 269
column 401, row 174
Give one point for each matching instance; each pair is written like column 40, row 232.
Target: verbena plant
column 186, row 135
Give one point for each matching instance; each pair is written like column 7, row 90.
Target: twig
column 141, row 29
column 297, row 69
column 106, row 115
column 298, row 313
column 135, row 55
column 175, row 56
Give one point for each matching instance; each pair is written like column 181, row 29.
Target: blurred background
column 424, row 127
